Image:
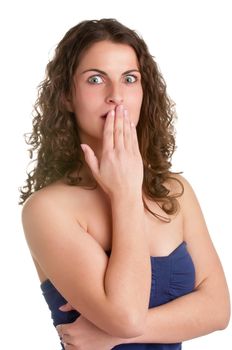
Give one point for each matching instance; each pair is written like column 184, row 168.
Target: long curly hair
column 55, row 139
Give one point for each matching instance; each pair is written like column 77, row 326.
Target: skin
column 192, row 312
column 94, row 93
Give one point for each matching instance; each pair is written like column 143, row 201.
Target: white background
column 191, row 41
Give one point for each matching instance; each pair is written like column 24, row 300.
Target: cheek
column 138, row 95
column 135, row 105
column 83, row 101
column 136, row 99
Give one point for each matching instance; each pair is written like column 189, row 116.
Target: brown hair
column 55, row 137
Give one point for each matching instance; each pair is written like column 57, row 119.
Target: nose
column 114, row 95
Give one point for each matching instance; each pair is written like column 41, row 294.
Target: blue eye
column 94, row 79
column 133, row 76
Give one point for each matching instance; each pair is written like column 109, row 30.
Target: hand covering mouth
column 105, row 115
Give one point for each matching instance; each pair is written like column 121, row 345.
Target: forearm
column 187, row 317
column 128, row 275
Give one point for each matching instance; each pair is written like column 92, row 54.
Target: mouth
column 105, row 115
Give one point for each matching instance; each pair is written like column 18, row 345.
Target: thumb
column 66, row 307
column 90, row 158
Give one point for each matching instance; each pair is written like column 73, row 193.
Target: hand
column 120, row 169
column 84, row 335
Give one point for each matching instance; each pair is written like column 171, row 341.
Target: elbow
column 225, row 312
column 218, row 308
column 132, row 326
column 224, row 320
column 222, row 315
column 126, row 324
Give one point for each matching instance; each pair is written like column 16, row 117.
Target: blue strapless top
column 172, row 277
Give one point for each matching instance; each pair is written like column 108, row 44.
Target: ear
column 67, row 101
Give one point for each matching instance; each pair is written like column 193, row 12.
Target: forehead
column 108, row 53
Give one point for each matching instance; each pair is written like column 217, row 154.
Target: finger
column 108, row 132
column 69, row 346
column 66, row 338
column 127, row 131
column 90, row 159
column 61, row 330
column 66, row 307
column 118, row 128
column 65, row 346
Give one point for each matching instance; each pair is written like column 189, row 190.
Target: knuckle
column 120, row 154
column 109, row 154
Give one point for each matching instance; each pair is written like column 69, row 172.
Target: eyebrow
column 104, row 73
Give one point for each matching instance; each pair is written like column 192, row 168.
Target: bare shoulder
column 194, row 221
column 55, row 191
column 174, row 184
column 57, row 196
column 199, row 243
column 195, row 229
column 65, row 252
column 179, row 185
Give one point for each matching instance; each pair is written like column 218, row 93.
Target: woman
column 119, row 241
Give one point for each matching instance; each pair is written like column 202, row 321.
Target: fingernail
column 61, row 308
column 112, row 112
column 120, row 108
column 83, row 147
column 126, row 113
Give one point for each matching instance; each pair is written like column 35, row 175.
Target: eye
column 131, row 78
column 94, row 79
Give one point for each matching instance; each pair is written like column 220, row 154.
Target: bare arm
column 128, row 275
column 187, row 317
column 203, row 311
column 114, row 296
column 207, row 308
column 103, row 292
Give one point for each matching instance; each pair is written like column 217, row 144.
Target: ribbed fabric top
column 172, row 276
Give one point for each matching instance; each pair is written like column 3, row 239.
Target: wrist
column 128, row 199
